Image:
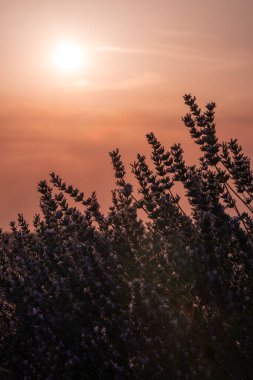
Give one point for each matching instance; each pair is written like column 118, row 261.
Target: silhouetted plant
column 92, row 296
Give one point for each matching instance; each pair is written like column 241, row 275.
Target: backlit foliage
column 170, row 296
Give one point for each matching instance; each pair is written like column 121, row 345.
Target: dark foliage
column 89, row 296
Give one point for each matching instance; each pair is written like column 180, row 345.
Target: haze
column 143, row 56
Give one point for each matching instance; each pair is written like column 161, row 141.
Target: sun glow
column 69, row 57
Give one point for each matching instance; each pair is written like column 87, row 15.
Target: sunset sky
column 140, row 58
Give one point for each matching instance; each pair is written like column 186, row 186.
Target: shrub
column 92, row 296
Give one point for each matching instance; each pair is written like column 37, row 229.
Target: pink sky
column 143, row 56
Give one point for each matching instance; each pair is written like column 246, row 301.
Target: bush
column 168, row 296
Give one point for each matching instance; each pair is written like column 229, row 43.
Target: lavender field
column 147, row 291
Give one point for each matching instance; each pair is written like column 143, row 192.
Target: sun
column 69, row 57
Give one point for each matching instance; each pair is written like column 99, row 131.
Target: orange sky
column 143, row 56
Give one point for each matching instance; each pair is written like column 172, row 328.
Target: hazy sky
column 143, row 55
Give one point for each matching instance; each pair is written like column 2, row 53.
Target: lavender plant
column 119, row 296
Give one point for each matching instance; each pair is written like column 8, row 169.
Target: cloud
column 128, row 50
column 183, row 50
column 74, row 84
column 132, row 82
column 143, row 80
